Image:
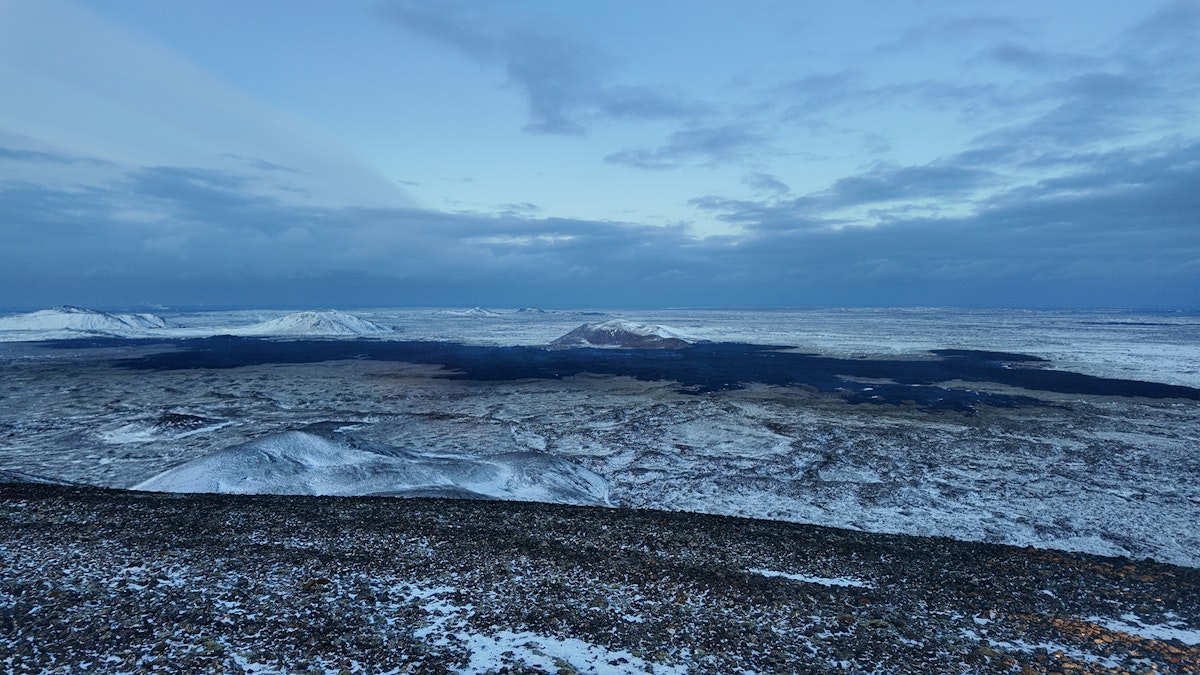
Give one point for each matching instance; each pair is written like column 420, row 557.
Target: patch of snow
column 489, row 652
column 1071, row 652
column 824, row 581
column 1130, row 623
column 552, row 654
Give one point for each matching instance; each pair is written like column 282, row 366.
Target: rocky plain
column 113, row 581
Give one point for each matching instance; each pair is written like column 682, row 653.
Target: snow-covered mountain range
column 74, row 322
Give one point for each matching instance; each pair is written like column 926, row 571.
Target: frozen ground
column 124, row 582
column 1105, row 474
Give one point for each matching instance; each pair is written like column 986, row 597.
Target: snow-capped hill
column 326, row 322
column 621, row 333
column 67, row 321
column 532, row 310
column 301, row 463
column 477, row 312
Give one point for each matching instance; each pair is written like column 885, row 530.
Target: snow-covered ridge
column 622, row 333
column 480, row 312
column 67, row 321
column 324, row 322
column 297, row 462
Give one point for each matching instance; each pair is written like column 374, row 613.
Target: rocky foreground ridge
column 115, row 581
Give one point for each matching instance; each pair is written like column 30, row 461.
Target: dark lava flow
column 698, row 369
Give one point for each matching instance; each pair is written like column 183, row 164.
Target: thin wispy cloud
column 567, row 80
column 708, row 146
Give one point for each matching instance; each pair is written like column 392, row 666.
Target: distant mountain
column 326, row 322
column 67, row 321
column 297, row 462
column 532, row 310
column 473, row 312
column 621, row 333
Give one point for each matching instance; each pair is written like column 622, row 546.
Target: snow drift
column 326, row 322
column 301, row 463
column 621, row 333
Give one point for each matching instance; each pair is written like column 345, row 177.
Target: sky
column 367, row 153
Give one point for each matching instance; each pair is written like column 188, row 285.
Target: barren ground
column 116, row 581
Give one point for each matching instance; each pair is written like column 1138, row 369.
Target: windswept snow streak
column 809, row 579
column 297, row 462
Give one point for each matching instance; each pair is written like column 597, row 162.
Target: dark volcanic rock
column 704, row 367
column 176, row 423
column 123, row 581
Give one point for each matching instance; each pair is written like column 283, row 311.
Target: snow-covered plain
column 1111, row 475
column 1157, row 347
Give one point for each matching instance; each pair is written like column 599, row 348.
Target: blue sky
column 1016, row 154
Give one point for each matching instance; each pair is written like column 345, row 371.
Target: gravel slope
column 114, row 581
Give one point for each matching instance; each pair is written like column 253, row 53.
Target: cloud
column 959, row 29
column 1146, row 84
column 907, row 183
column 708, row 146
column 1121, row 233
column 1088, row 108
column 98, row 92
column 1078, row 188
column 262, row 164
column 24, row 155
column 852, row 92
column 1165, row 38
column 900, row 187
column 765, row 183
column 567, row 79
column 190, row 228
column 1037, row 61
